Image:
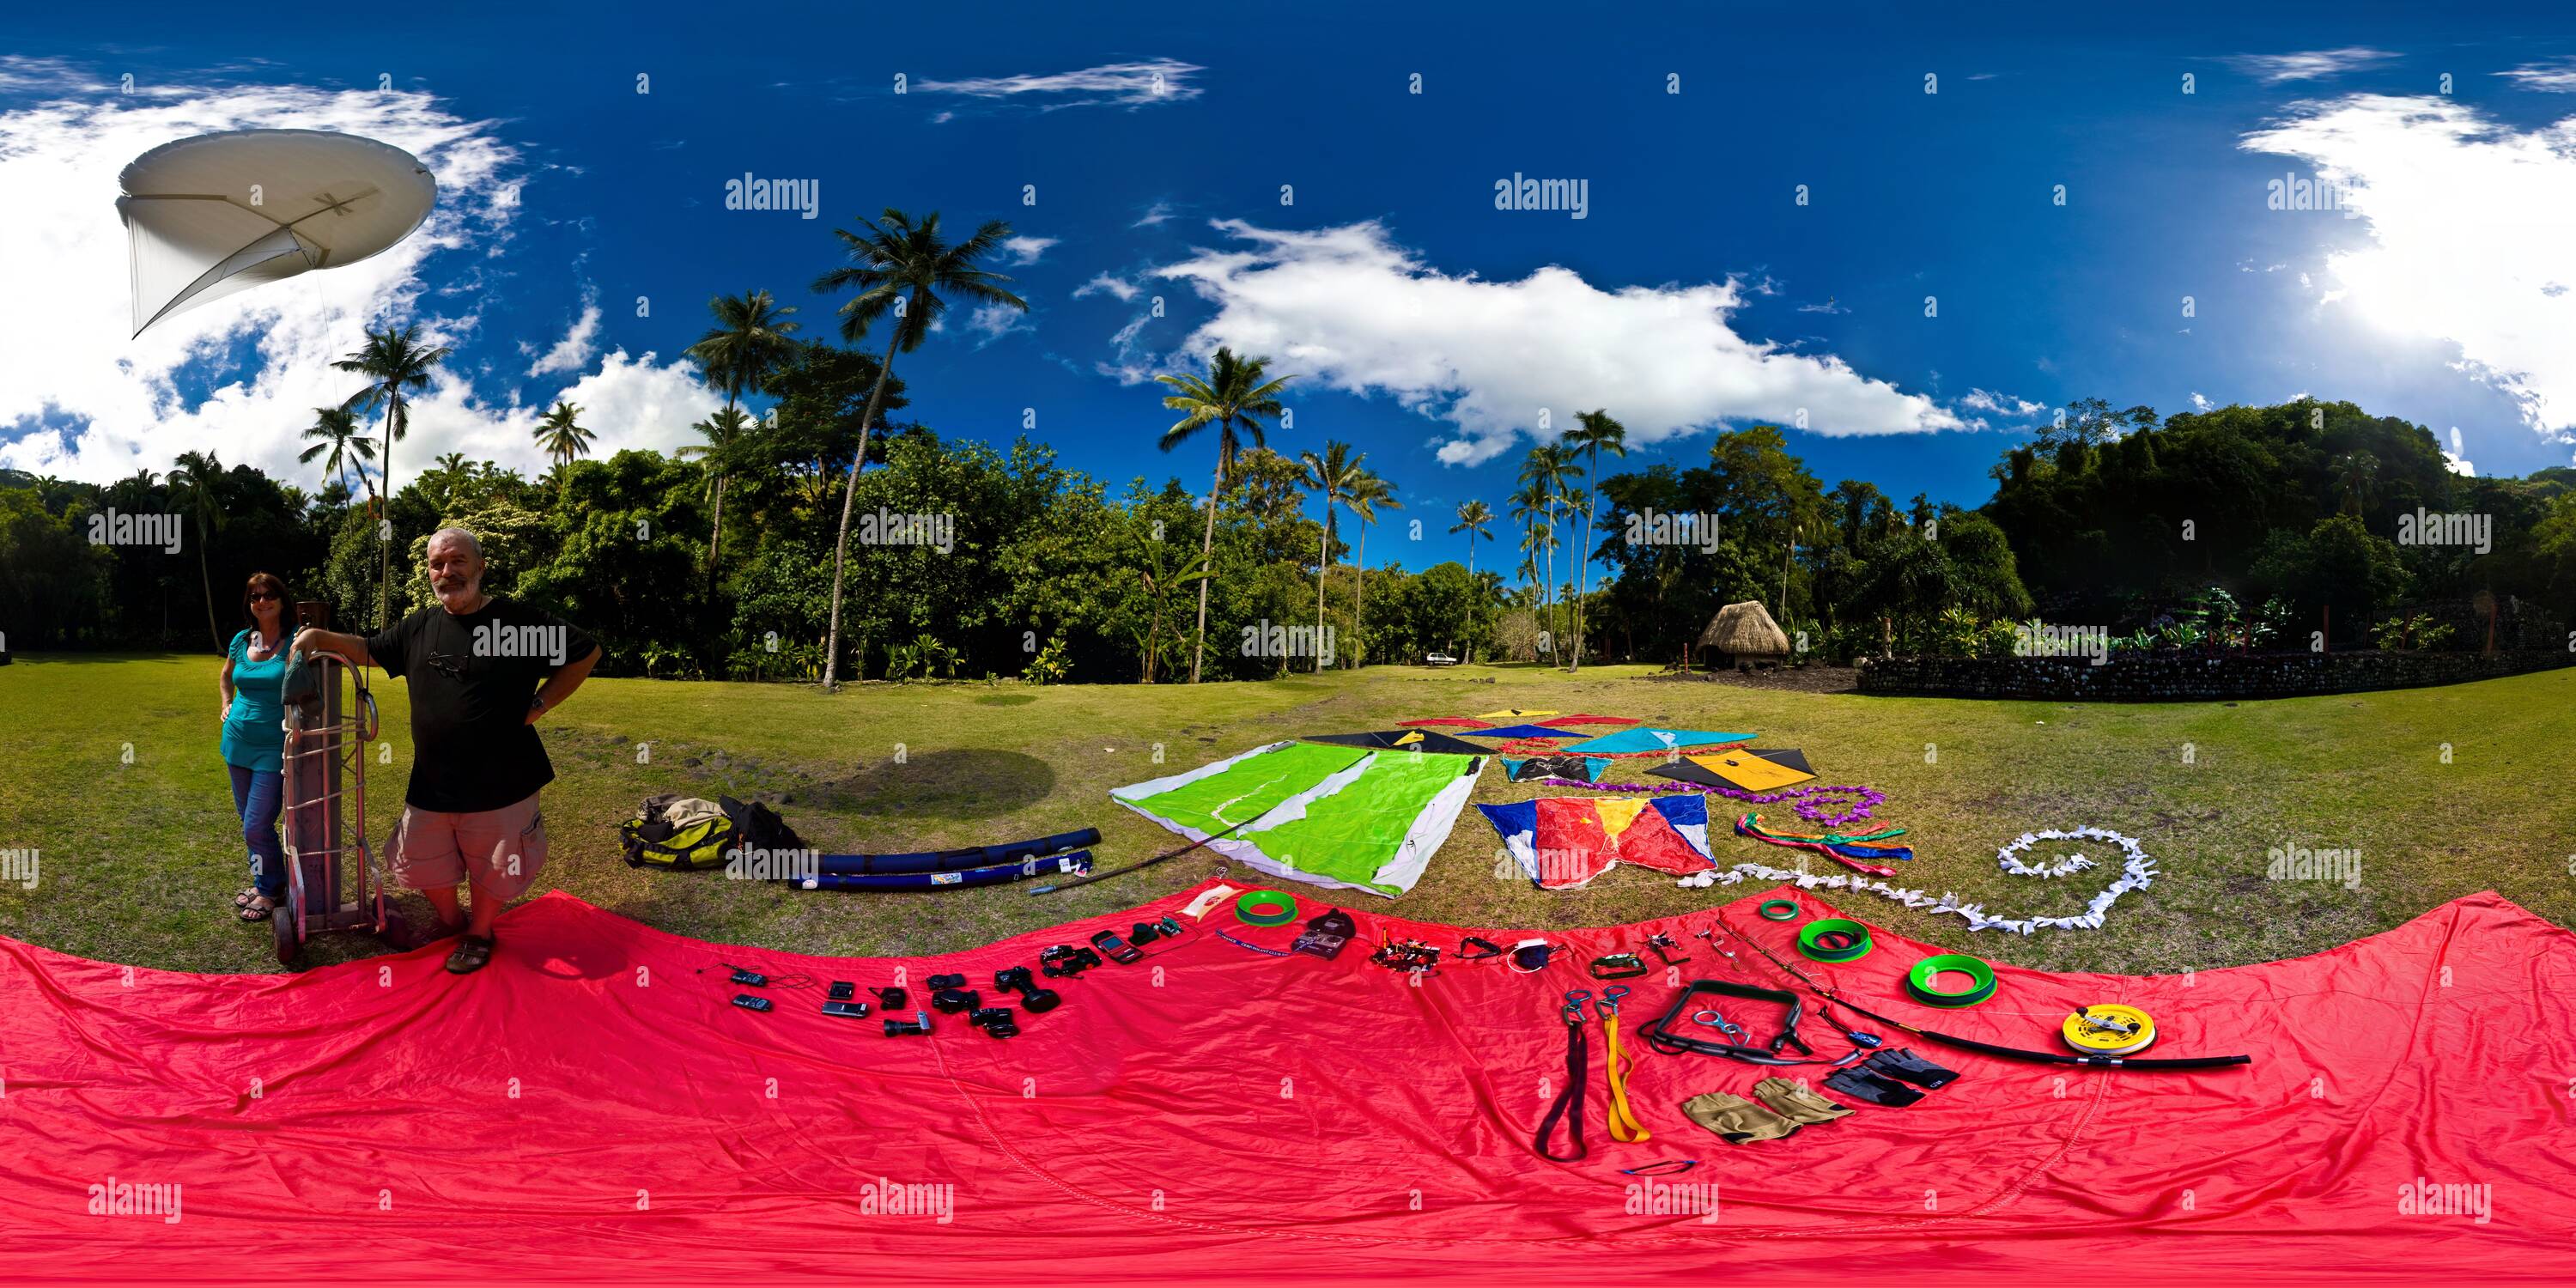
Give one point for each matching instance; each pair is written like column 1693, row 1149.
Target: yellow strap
column 1624, row 1126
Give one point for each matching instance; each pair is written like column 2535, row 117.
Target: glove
column 1736, row 1119
column 1793, row 1099
column 1861, row 1084
column 1905, row 1066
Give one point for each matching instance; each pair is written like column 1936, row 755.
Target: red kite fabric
column 590, row 1106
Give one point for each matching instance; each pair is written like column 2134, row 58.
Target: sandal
column 473, row 953
column 247, row 893
column 256, row 908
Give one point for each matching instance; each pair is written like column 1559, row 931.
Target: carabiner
column 1608, row 1004
column 1575, row 1000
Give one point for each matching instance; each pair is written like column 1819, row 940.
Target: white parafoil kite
column 218, row 213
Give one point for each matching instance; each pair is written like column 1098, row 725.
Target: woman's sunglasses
column 260, row 596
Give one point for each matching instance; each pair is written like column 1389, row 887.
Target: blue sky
column 1425, row 326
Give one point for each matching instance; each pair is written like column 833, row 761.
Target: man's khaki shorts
column 500, row 850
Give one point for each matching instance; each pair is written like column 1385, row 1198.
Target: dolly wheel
column 282, row 921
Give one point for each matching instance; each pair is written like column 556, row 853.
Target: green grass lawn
column 139, row 861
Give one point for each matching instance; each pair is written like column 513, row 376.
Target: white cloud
column 2556, row 76
column 991, row 322
column 1347, row 308
column 242, row 376
column 1154, row 214
column 2199, row 402
column 1120, row 287
column 572, row 353
column 2452, row 458
column 1025, row 250
column 2468, row 235
column 2001, row 404
column 2314, row 64
column 1132, row 85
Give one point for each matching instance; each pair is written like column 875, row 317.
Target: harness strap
column 1624, row 1126
column 1569, row 1102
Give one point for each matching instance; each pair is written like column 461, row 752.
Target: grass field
column 2443, row 792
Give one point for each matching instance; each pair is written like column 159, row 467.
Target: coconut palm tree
column 2355, row 473
column 1546, row 477
column 1593, row 432
column 1529, row 505
column 1368, row 492
column 725, row 432
column 1473, row 518
column 395, row 364
column 1233, row 397
column 561, row 436
column 337, row 430
column 1332, row 473
column 192, row 492
column 747, row 343
column 900, row 269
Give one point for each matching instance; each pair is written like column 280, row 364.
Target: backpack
column 687, row 834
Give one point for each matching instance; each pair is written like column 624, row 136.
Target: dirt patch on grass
column 1785, row 679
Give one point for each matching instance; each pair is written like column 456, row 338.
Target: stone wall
column 2188, row 677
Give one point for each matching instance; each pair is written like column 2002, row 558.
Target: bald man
column 481, row 671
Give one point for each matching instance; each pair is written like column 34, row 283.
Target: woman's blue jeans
column 256, row 794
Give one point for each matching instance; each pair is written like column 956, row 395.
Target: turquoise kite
column 1653, row 742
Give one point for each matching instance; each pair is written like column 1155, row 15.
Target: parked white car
column 1439, row 659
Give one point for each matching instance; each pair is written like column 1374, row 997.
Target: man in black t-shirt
column 480, row 670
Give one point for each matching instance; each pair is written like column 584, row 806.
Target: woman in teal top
column 254, row 736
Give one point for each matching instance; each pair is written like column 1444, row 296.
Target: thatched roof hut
column 1744, row 633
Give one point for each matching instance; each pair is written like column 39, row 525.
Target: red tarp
column 591, row 1106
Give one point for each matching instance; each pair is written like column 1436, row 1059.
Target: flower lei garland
column 2137, row 873
column 1862, row 800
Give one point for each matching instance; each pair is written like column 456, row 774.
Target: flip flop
column 256, row 908
column 473, row 953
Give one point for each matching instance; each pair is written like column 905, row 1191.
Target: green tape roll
column 1918, row 981
column 1807, row 935
column 1265, row 908
column 1778, row 910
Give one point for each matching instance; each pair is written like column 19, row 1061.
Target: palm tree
column 395, row 363
column 337, row 428
column 899, row 268
column 747, row 343
column 1233, row 397
column 1368, row 492
column 1528, row 506
column 1331, row 474
column 563, row 438
column 192, row 492
column 725, row 432
column 2355, row 472
column 1473, row 518
column 1546, row 475
column 1593, row 431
